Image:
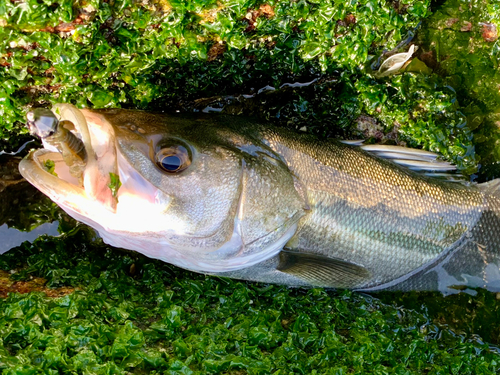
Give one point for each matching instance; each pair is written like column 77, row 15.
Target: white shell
column 394, row 63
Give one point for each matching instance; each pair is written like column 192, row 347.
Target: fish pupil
column 171, row 163
column 172, row 158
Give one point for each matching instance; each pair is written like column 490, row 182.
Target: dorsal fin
column 401, row 152
column 421, row 165
column 417, row 160
column 319, row 270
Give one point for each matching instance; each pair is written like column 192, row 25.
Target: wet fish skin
column 271, row 205
column 392, row 221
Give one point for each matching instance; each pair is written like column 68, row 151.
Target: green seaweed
column 50, row 166
column 123, row 312
column 114, row 184
column 159, row 55
column 460, row 41
column 104, row 310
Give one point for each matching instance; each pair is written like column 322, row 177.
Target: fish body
column 228, row 196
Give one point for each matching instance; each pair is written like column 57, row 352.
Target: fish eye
column 173, row 158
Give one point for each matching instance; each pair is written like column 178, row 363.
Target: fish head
column 202, row 193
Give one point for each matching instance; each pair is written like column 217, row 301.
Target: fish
column 234, row 197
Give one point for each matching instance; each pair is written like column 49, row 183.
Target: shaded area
column 464, row 313
column 23, row 206
column 25, row 213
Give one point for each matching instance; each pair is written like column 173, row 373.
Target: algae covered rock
column 72, row 304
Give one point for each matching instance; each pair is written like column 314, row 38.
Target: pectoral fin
column 319, row 270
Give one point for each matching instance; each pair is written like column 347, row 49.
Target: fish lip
column 95, row 179
column 57, row 189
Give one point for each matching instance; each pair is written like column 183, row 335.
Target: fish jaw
column 92, row 185
column 64, row 192
column 99, row 143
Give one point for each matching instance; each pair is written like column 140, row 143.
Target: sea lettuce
column 92, row 309
column 161, row 55
column 165, row 55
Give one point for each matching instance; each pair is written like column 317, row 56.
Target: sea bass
column 224, row 195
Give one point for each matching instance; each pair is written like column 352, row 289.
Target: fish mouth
column 88, row 193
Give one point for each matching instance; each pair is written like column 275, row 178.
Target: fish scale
column 372, row 212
